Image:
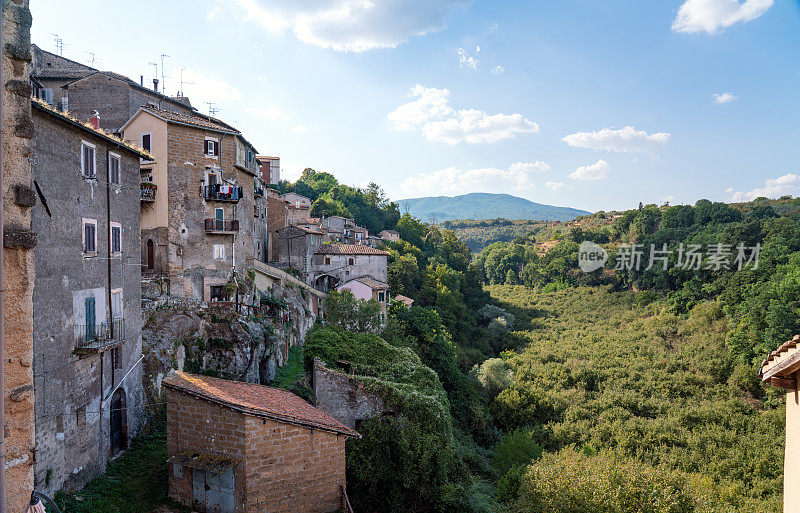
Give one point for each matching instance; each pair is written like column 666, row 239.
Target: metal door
column 213, row 492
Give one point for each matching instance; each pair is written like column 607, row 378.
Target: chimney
column 141, row 80
column 94, row 119
column 155, row 84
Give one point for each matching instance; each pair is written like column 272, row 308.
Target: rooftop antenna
column 163, row 76
column 212, row 108
column 59, row 44
column 180, row 92
column 155, row 67
column 91, row 54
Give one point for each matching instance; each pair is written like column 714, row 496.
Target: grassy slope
column 605, row 370
column 135, row 482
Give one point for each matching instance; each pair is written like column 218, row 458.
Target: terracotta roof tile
column 198, row 121
column 349, row 249
column 259, row 400
column 789, row 344
column 372, row 283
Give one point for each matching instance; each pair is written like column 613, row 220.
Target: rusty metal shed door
column 213, row 492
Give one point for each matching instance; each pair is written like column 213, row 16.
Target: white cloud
column 200, row 89
column 724, row 97
column 214, row 11
column 773, row 188
column 352, row 25
column 627, row 139
column 498, row 70
column 714, row 16
column 554, row 185
column 431, row 113
column 453, row 181
column 529, row 167
column 595, row 171
column 299, row 129
column 467, row 60
column 271, row 112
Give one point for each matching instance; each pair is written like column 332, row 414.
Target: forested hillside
column 485, row 206
column 525, row 385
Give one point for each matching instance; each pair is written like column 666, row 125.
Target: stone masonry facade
column 74, row 384
column 18, row 260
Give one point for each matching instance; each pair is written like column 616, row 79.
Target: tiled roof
column 259, row 400
column 349, row 249
column 789, row 344
column 403, row 299
column 372, row 283
column 99, row 132
column 186, row 119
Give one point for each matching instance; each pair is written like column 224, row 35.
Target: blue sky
column 595, row 105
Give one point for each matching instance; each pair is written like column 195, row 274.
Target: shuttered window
column 116, row 238
column 89, row 236
column 87, row 160
column 113, row 169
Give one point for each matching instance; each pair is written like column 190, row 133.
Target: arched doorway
column 119, row 422
column 326, row 282
column 150, row 254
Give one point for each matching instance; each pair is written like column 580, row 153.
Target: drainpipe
column 2, row 298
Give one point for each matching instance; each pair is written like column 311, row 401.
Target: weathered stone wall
column 293, row 468
column 276, row 219
column 295, row 248
column 101, row 92
column 343, row 398
column 373, row 266
column 191, row 252
column 18, row 261
column 195, row 424
column 73, row 425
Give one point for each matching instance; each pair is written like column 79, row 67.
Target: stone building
column 198, row 219
column 87, row 317
column 389, row 235
column 19, row 242
column 241, row 447
column 270, row 169
column 81, row 89
column 340, row 228
column 299, row 207
column 259, row 220
column 334, row 264
column 782, row 369
column 296, row 247
column 276, row 219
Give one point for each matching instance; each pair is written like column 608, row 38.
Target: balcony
column 95, row 338
column 222, row 226
column 223, row 193
column 147, row 192
column 258, row 192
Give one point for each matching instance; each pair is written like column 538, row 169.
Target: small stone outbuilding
column 240, row 447
column 781, row 368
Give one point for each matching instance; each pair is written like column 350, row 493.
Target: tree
column 344, row 310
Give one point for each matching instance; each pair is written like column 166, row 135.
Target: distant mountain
column 481, row 205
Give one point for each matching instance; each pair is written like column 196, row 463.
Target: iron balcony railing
column 147, row 191
column 258, row 192
column 217, row 192
column 221, row 225
column 96, row 337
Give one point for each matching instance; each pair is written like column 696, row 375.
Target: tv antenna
column 180, row 92
column 155, row 67
column 59, row 44
column 163, row 76
column 91, row 54
column 212, row 108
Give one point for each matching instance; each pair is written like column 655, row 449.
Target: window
column 116, row 303
column 113, row 168
column 146, row 141
column 116, row 238
column 89, row 236
column 351, row 261
column 219, row 252
column 87, row 160
column 47, row 96
column 327, row 260
column 211, row 147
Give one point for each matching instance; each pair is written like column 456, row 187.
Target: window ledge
column 89, row 254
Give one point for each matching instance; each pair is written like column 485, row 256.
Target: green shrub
column 517, row 448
